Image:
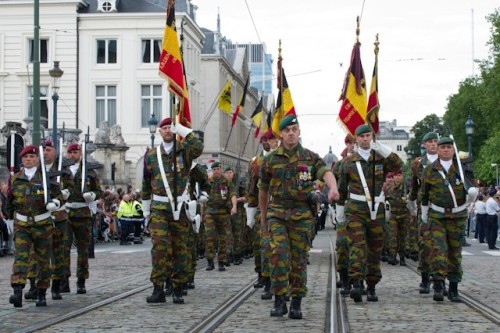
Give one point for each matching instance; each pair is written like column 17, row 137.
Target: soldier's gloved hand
column 146, row 208
column 251, row 212
column 380, row 148
column 339, row 214
column 179, row 129
column 88, row 197
column 53, row 205
column 472, row 194
column 203, row 197
column 65, row 193
column 425, row 214
column 412, row 207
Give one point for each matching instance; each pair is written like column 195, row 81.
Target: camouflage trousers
column 446, row 232
column 236, row 234
column 170, row 253
column 217, row 226
column 39, row 236
column 289, row 232
column 248, row 237
column 342, row 247
column 80, row 229
column 424, row 246
column 366, row 240
column 412, row 235
column 397, row 234
column 192, row 247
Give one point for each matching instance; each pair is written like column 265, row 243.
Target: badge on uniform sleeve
column 446, row 182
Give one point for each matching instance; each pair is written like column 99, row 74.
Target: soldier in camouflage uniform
column 396, row 197
column 79, row 214
column 365, row 209
column 237, row 220
column 217, row 222
column 424, row 241
column 444, row 209
column 286, row 184
column 33, row 224
column 169, row 233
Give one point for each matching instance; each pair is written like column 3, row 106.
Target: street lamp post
column 469, row 130
column 55, row 73
column 495, row 165
column 152, row 122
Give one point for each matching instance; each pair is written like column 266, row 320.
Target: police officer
column 126, row 217
column 164, row 201
column 364, row 209
column 287, row 176
column 396, row 197
column 444, row 209
column 221, row 204
column 79, row 214
column 137, row 224
column 33, row 224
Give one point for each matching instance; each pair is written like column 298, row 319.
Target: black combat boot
column 210, row 265
column 168, row 288
column 356, row 291
column 56, row 289
column 266, row 293
column 363, row 289
column 221, row 267
column 279, row 309
column 190, row 283
column 453, row 293
column 391, row 259
column 80, row 286
column 371, row 296
column 425, row 285
column 17, row 297
column 344, row 279
column 438, row 291
column 260, row 282
column 177, row 295
column 41, row 297
column 402, row 261
column 236, row 260
column 414, row 256
column 184, row 289
column 65, row 286
column 384, row 256
column 158, row 295
column 295, row 311
column 32, row 292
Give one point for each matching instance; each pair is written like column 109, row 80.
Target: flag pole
column 376, row 43
column 228, row 137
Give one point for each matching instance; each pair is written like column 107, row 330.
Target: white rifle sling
column 175, row 212
column 44, row 175
column 449, row 188
column 373, row 213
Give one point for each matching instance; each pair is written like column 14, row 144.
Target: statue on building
column 116, row 136
column 102, row 135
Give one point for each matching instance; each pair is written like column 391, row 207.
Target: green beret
column 444, row 140
column 430, row 136
column 362, row 129
column 291, row 119
column 228, row 168
column 215, row 165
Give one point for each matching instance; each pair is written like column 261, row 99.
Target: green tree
column 431, row 123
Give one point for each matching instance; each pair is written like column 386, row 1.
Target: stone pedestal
column 107, row 154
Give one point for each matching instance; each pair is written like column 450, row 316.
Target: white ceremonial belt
column 358, row 197
column 75, row 205
column 160, row 198
column 36, row 218
column 443, row 210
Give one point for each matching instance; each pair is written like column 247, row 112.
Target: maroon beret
column 349, row 138
column 267, row 135
column 398, row 172
column 166, row 121
column 29, row 150
column 48, row 143
column 73, row 146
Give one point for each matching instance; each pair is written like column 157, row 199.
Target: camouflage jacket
column 74, row 185
column 152, row 182
column 199, row 175
column 417, row 174
column 350, row 181
column 26, row 197
column 253, row 179
column 397, row 199
column 290, row 175
column 60, row 215
column 222, row 190
column 435, row 188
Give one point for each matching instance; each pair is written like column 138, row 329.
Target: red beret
column 29, row 150
column 398, row 172
column 389, row 175
column 267, row 135
column 73, row 146
column 166, row 121
column 349, row 138
column 48, row 143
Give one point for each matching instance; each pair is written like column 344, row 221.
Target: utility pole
column 36, row 75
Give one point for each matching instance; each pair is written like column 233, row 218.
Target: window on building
column 151, row 102
column 151, row 49
column 399, row 148
column 105, row 105
column 44, row 110
column 43, row 50
column 106, row 51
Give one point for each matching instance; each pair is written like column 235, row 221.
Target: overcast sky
column 426, row 49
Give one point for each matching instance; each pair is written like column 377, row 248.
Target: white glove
column 203, row 197
column 412, row 207
column 251, row 212
column 65, row 193
column 472, row 194
column 53, row 205
column 146, row 208
column 339, row 214
column 380, row 148
column 197, row 223
column 179, row 129
column 89, row 197
column 387, row 211
column 425, row 214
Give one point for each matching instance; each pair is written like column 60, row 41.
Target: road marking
column 493, row 253
column 316, row 250
column 465, row 253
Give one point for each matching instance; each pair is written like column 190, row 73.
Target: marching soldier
column 26, row 203
column 287, row 176
column 237, row 220
column 169, row 224
column 444, row 210
column 396, row 197
column 360, row 188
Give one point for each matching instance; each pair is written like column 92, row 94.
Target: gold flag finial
column 376, row 43
column 357, row 29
